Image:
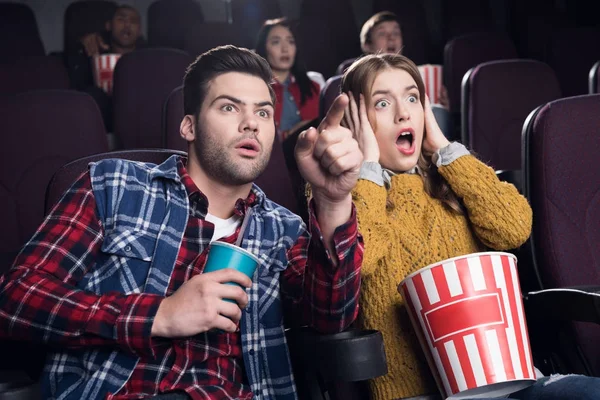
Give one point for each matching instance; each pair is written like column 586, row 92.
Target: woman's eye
column 413, row 99
column 382, row 104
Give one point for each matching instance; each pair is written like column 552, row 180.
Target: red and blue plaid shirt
column 39, row 300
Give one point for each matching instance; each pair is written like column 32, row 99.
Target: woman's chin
column 400, row 167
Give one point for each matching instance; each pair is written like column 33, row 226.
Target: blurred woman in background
column 297, row 95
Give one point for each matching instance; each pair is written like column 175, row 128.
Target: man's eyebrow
column 238, row 101
column 264, row 103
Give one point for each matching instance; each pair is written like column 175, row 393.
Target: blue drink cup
column 224, row 255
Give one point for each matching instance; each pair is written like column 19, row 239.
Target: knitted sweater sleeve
column 500, row 216
column 370, row 202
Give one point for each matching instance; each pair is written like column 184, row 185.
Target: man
column 113, row 278
column 123, row 35
column 381, row 34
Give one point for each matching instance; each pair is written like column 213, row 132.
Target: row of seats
column 144, row 79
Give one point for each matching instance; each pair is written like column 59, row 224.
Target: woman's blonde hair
column 359, row 78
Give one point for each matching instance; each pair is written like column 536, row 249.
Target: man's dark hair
column 215, row 62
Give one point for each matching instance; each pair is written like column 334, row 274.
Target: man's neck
column 281, row 75
column 221, row 198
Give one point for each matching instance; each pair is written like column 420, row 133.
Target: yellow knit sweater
column 419, row 231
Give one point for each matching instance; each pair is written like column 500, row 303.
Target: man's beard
column 218, row 163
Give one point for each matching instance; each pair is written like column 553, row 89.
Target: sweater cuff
column 371, row 171
column 450, row 153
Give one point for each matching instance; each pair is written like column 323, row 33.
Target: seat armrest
column 513, row 176
column 349, row 356
column 578, row 303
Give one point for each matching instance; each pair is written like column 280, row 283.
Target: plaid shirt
column 62, row 291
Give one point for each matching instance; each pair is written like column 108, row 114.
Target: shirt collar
column 200, row 201
column 388, row 173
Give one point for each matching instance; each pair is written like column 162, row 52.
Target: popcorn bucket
column 468, row 314
column 432, row 77
column 104, row 66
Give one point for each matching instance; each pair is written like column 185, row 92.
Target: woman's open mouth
column 405, row 142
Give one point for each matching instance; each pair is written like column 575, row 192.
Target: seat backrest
column 329, row 93
column 203, row 36
column 172, row 116
column 594, row 83
column 168, row 21
column 66, row 175
column 83, row 17
column 497, row 98
column 42, row 130
column 572, row 53
column 19, row 34
column 143, row 80
column 465, row 52
column 275, row 181
column 344, row 65
column 33, row 73
column 562, row 183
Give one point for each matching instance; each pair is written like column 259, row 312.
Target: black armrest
column 350, row 356
column 16, row 385
column 513, row 176
column 578, row 303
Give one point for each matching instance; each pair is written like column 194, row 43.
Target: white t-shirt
column 223, row 227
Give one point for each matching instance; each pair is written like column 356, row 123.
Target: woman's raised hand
column 434, row 138
column 355, row 119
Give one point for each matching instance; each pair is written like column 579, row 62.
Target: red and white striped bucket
column 104, row 66
column 468, row 314
column 432, row 78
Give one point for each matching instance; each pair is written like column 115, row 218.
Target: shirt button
column 291, row 97
column 128, row 248
column 297, row 112
column 251, row 352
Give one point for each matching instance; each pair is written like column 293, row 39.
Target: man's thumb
column 306, row 141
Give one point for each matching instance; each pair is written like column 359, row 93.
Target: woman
column 297, row 96
column 420, row 199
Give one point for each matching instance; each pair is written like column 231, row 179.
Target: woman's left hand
column 434, row 139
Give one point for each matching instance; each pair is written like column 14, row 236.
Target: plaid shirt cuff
column 344, row 236
column 134, row 325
